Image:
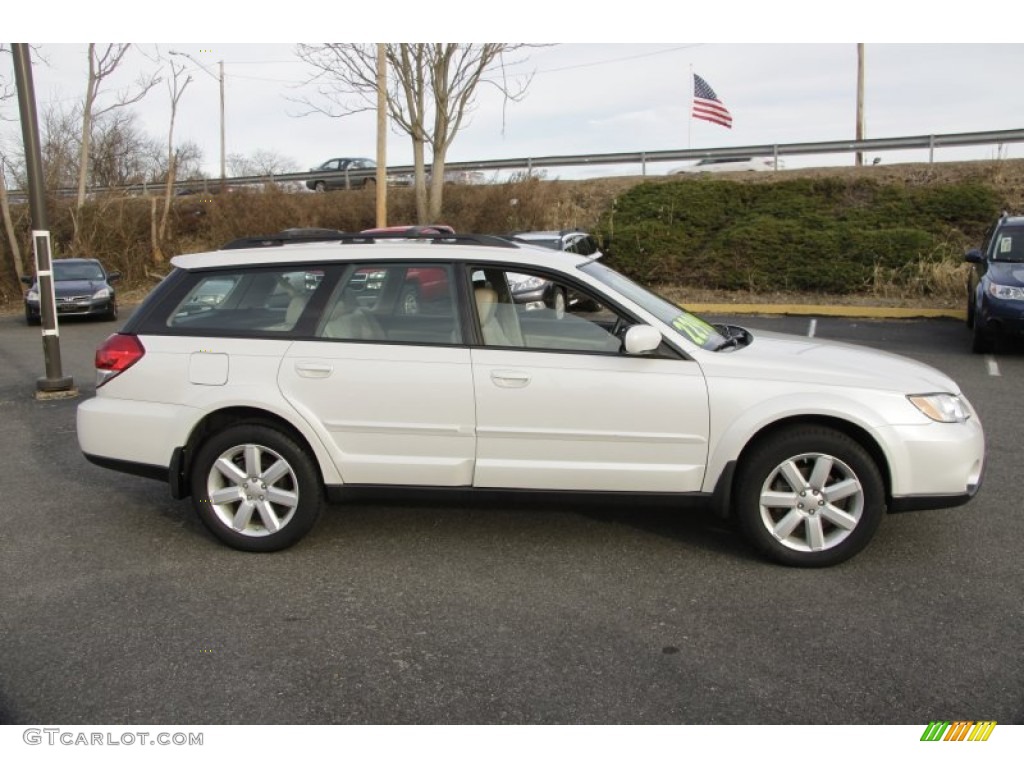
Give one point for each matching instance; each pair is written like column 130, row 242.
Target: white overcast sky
column 626, row 93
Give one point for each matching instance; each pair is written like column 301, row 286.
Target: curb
column 830, row 310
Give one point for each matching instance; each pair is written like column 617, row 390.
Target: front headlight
column 1006, row 292
column 102, row 293
column 945, row 408
column 32, row 295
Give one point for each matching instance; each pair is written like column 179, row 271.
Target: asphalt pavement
column 117, row 607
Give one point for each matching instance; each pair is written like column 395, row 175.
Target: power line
column 602, row 62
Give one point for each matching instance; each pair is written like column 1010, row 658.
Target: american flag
column 706, row 105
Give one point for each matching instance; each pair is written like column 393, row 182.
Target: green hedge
column 825, row 236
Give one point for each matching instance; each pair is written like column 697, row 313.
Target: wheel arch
column 854, row 431
column 231, row 416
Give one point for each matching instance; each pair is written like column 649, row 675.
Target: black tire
column 369, row 183
column 981, row 340
column 409, row 300
column 111, row 313
column 257, row 451
column 824, row 521
column 320, row 186
column 970, row 310
column 31, row 320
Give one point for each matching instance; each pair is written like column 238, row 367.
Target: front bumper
column 1001, row 315
column 71, row 307
column 935, row 466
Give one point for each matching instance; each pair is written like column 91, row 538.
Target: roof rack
column 336, row 236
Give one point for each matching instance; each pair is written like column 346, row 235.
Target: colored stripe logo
column 959, row 730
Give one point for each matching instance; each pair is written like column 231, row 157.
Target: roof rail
column 336, row 236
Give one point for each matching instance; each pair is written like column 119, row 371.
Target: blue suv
column 995, row 286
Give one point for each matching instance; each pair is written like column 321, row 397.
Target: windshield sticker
column 1005, row 244
column 694, row 328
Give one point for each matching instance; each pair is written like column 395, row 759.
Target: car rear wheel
column 255, row 488
column 320, row 186
column 809, row 496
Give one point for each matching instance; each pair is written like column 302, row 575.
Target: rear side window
column 259, row 300
column 388, row 302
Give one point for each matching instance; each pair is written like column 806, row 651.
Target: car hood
column 1006, row 273
column 778, row 356
column 76, row 287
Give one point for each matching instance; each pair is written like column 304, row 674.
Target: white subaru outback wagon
column 265, row 378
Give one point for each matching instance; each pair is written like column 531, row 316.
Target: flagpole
column 689, row 130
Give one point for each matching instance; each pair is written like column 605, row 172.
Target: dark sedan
column 81, row 287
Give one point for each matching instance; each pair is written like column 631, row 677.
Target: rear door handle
column 510, row 379
column 314, row 370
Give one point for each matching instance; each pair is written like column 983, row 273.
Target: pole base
column 52, row 389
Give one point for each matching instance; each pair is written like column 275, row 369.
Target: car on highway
column 81, row 287
column 730, row 164
column 286, row 393
column 343, row 173
column 995, row 284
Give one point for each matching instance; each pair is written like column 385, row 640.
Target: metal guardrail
column 529, row 164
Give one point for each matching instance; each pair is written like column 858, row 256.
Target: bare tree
column 176, row 88
column 262, row 162
column 431, row 90
column 102, row 66
column 121, row 151
column 60, row 146
column 188, row 163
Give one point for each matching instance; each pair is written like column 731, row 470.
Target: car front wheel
column 558, row 303
column 809, row 496
column 255, row 488
column 981, row 340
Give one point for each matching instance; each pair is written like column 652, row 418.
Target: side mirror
column 113, row 277
column 641, row 339
column 27, row 279
column 974, row 256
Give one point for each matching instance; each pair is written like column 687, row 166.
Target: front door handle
column 510, row 379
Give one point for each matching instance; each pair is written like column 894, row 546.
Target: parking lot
column 117, row 607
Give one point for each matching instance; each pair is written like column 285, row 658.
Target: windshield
column 1009, row 245
column 62, row 272
column 698, row 331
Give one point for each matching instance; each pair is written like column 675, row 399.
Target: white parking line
column 993, row 366
column 813, row 328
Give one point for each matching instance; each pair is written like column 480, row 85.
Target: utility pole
column 860, row 101
column 382, row 135
column 55, row 384
column 223, row 157
column 223, row 145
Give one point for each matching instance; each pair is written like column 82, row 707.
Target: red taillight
column 118, row 353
